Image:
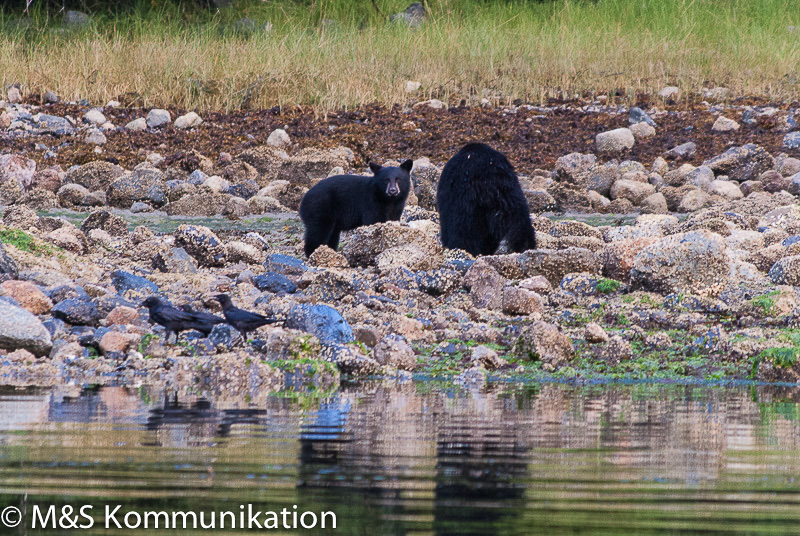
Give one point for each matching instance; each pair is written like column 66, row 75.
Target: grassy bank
column 337, row 53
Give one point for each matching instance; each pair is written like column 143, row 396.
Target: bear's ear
column 375, row 168
column 407, row 165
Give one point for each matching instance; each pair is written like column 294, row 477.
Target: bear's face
column 394, row 182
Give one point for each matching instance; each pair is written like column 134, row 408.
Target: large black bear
column 344, row 202
column 481, row 203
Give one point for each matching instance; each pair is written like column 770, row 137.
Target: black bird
column 174, row 320
column 204, row 322
column 242, row 320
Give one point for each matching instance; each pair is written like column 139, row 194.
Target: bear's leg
column 520, row 236
column 333, row 241
column 315, row 237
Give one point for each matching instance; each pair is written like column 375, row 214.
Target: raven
column 204, row 322
column 174, row 320
column 240, row 319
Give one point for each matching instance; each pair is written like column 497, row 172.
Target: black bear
column 481, row 203
column 344, row 202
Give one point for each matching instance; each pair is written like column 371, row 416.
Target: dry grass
column 469, row 49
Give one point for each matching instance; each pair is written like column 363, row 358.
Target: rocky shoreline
column 683, row 265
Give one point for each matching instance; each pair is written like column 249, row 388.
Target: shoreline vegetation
column 336, row 54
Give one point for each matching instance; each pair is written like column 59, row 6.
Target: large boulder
column 695, row 262
column 741, row 163
column 322, row 321
column 21, row 329
column 145, row 185
column 786, row 271
column 96, row 175
column 543, row 341
column 17, row 168
column 555, row 264
column 106, row 221
column 201, row 243
column 365, row 244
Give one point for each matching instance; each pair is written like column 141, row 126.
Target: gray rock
column 285, row 264
column 615, row 140
column 637, row 115
column 792, row 140
column 700, row 176
column 786, row 271
column 555, row 264
column 21, row 329
column 52, row 124
column 95, row 175
column 140, row 185
column 50, row 97
column 125, row 281
column 393, row 350
column 107, row 221
column 138, row 207
column 95, row 137
column 8, row 266
column 413, row 16
column 741, row 163
column 176, row 261
column 76, row 19
column 201, row 243
column 684, row 151
column 76, row 312
column 158, row 117
column 322, row 321
column 224, row 336
column 274, row 282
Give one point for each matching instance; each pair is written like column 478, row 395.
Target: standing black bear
column 344, row 202
column 481, row 203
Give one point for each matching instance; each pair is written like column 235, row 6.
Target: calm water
column 419, row 458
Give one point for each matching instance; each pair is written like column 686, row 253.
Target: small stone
column 13, row 95
column 279, row 138
column 175, row 261
column 521, row 301
column 435, row 104
column 114, row 341
column 28, row 296
column 122, row 315
column 95, row 136
column 137, row 125
column 50, row 97
column 158, row 117
column 76, row 19
column 669, row 92
column 636, row 115
column 723, row 124
column 642, row 131
column 792, row 140
column 94, row 117
column 616, row 140
column 189, row 120
column 594, row 333
column 412, row 87
column 393, row 350
column 487, row 358
column 684, row 151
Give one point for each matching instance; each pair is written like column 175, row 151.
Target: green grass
column 469, row 49
column 25, row 242
column 607, row 286
column 766, row 302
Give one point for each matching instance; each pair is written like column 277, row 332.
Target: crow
column 174, row 320
column 240, row 319
column 204, row 322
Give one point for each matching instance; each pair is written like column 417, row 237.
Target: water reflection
column 418, row 458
